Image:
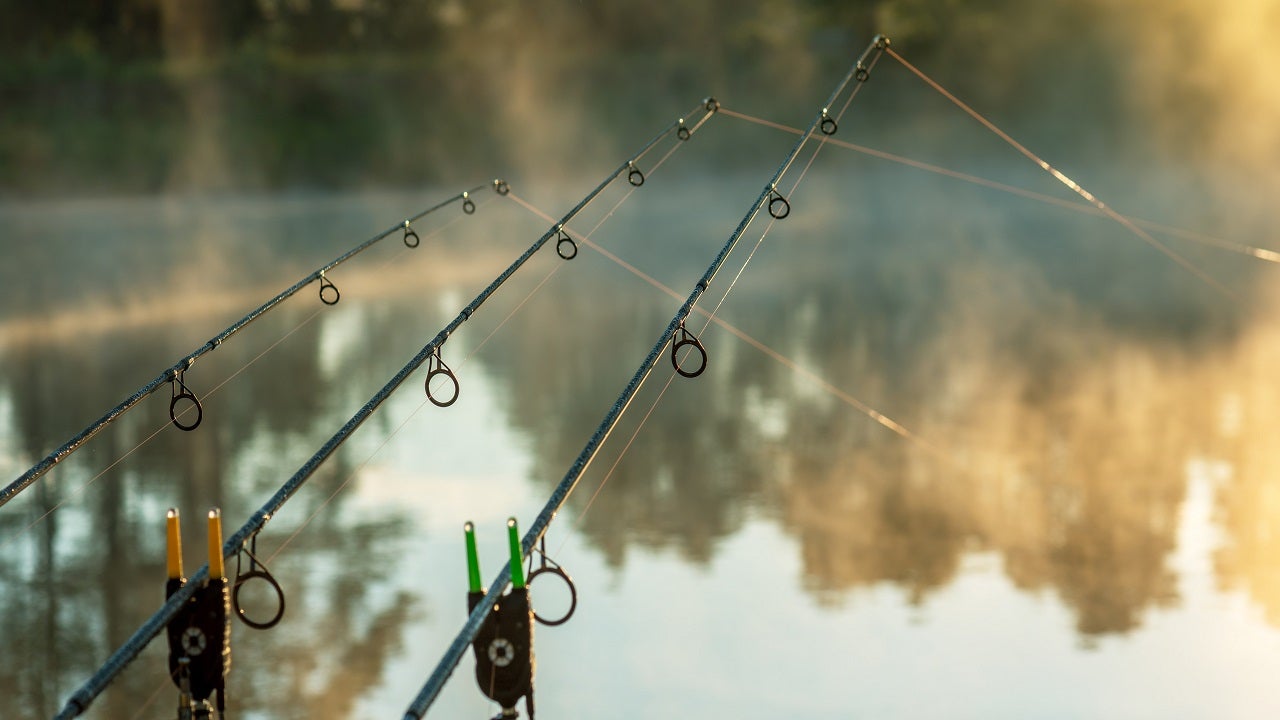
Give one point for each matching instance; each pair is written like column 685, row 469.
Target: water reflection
column 75, row 583
column 1069, row 395
column 1068, row 377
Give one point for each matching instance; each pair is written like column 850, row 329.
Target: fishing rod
column 236, row 544
column 482, row 609
column 183, row 400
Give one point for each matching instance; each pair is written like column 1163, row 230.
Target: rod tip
column 511, row 523
column 172, row 514
column 468, row 527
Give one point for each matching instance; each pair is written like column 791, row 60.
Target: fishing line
column 832, row 125
column 850, row 400
column 862, row 73
column 1072, row 184
column 640, row 426
column 712, row 316
column 1073, row 205
column 154, row 696
column 577, row 522
column 633, row 188
column 79, row 492
column 173, row 375
column 710, row 105
column 487, row 338
column 83, row 697
column 482, row 608
column 396, row 431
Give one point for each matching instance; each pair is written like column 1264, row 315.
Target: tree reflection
column 1248, row 497
column 76, row 582
column 1064, row 396
column 1067, row 396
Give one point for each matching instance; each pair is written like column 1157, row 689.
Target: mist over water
column 1075, row 522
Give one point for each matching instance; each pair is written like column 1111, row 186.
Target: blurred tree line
column 153, row 95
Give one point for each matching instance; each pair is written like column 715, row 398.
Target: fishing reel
column 200, row 635
column 503, row 647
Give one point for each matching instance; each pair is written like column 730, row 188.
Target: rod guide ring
column 410, row 233
column 635, row 177
column 179, row 392
column 436, row 366
column 257, row 570
column 687, row 338
column 327, row 285
column 565, row 246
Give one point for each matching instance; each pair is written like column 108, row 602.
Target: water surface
column 1077, row 521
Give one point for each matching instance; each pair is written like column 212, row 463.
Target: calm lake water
column 1080, row 522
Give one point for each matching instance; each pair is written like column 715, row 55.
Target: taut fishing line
column 520, row 305
column 174, row 375
column 80, row 490
column 237, row 543
column 483, row 605
column 1074, row 205
column 1072, row 184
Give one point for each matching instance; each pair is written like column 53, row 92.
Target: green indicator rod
column 473, row 559
column 517, row 558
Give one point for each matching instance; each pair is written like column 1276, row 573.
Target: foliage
column 151, row 95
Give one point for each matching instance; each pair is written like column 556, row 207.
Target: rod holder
column 200, row 634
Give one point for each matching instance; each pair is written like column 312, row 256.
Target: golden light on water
column 917, row 392
column 1072, row 462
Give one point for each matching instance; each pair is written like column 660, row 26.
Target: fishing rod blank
column 183, row 398
column 114, row 665
column 475, row 621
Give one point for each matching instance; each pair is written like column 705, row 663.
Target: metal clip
column 862, row 73
column 409, row 233
column 551, row 566
column 635, row 177
column 682, row 132
column 257, row 569
column 687, row 338
column 436, row 366
column 563, row 242
column 468, row 206
column 501, row 187
column 779, row 208
column 326, row 284
column 711, row 104
column 180, row 391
